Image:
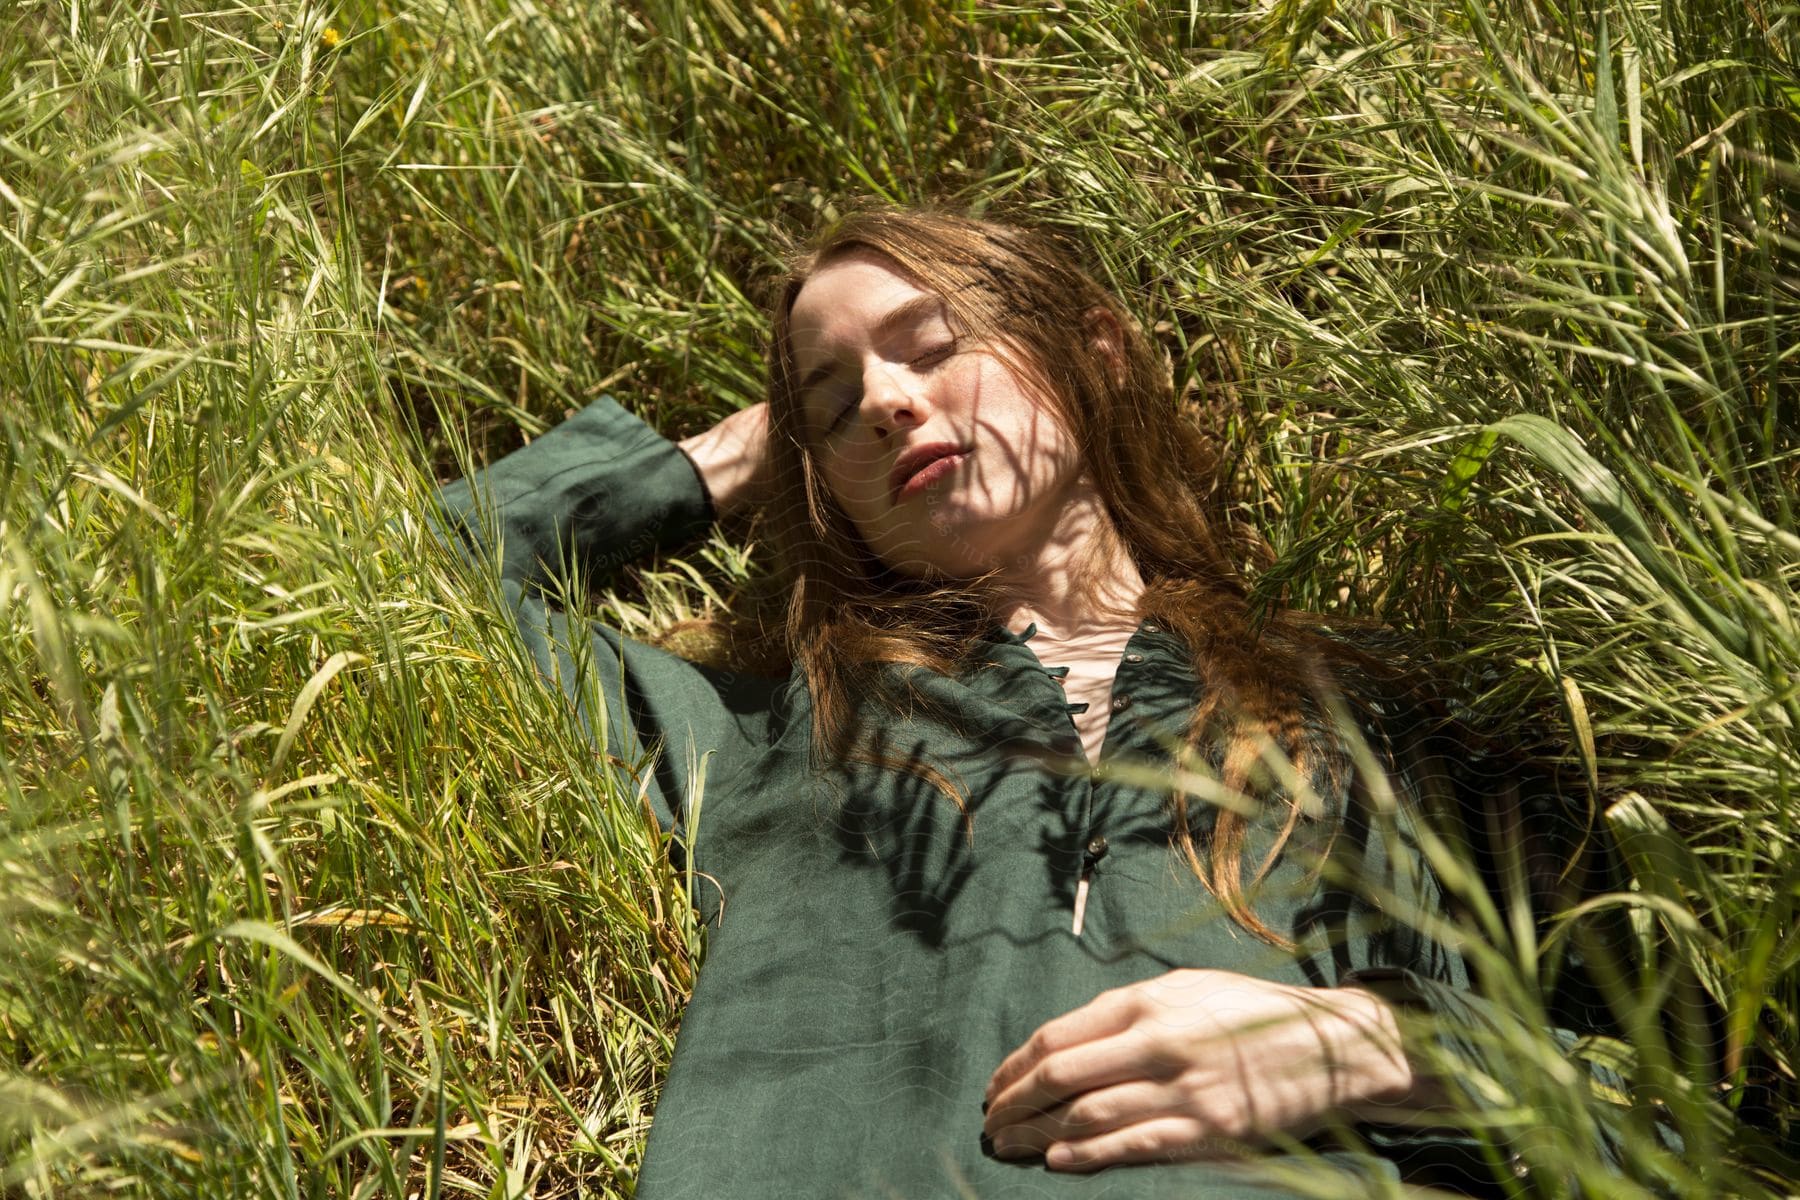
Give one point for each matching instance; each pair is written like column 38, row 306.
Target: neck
column 1077, row 581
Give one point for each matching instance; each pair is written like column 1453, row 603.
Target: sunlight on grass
column 309, row 889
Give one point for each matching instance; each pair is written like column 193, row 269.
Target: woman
column 960, row 947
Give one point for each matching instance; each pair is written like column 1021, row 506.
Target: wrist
column 729, row 460
column 1384, row 1082
column 721, row 474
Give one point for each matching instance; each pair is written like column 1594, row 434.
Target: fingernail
column 987, row 1146
column 984, row 1108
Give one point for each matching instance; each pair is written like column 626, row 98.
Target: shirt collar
column 999, row 633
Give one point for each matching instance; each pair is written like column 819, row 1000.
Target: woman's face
column 884, row 375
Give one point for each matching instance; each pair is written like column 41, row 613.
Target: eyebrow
column 901, row 314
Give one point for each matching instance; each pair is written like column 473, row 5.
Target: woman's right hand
column 733, row 459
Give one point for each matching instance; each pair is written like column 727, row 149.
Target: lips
column 914, row 459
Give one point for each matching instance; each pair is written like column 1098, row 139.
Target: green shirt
column 868, row 965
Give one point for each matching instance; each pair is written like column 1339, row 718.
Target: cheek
column 1066, row 458
column 855, row 481
column 1054, row 452
column 852, row 487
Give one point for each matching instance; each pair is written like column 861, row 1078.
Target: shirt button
column 1096, row 849
column 1121, row 703
column 1134, row 657
column 1150, row 627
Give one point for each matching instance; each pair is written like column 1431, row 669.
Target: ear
column 1109, row 340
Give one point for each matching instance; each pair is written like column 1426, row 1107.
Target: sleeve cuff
column 1463, row 1027
column 1439, row 1157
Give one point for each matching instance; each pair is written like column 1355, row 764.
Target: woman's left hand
column 1194, row 1064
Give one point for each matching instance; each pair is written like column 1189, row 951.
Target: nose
column 892, row 397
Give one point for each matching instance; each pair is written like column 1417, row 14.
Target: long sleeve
column 600, row 490
column 1473, row 1036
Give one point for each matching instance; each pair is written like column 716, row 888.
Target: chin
column 938, row 570
column 956, row 544
column 927, row 572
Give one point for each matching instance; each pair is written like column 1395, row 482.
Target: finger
column 1086, row 1116
column 1159, row 1140
column 1067, row 1074
column 1108, row 1013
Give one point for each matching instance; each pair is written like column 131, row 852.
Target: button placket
column 1091, row 855
column 1061, row 675
column 1095, row 846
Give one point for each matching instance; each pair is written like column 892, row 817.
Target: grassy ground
column 307, row 890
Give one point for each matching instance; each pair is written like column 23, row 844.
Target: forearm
column 593, row 493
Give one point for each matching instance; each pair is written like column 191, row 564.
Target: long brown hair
column 847, row 615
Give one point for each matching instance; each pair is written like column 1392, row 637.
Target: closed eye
column 934, row 355
column 930, row 358
column 851, row 402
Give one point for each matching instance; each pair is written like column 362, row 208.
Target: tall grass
column 308, row 890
